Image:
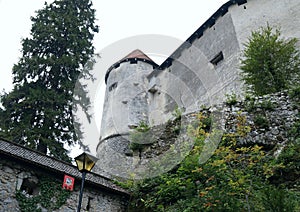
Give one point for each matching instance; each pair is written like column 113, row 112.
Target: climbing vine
column 51, row 197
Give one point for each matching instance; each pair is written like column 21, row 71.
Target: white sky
column 117, row 20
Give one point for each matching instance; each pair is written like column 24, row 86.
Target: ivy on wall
column 51, row 196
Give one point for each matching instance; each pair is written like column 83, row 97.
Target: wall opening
column 30, row 187
column 88, row 205
column 219, row 57
column 113, row 86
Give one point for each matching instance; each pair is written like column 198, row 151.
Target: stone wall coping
column 35, row 158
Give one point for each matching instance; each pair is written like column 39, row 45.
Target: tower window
column 217, row 58
column 113, row 86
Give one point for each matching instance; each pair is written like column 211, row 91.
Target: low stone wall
column 28, row 184
column 14, row 174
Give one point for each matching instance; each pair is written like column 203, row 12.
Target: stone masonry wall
column 269, row 118
column 13, row 174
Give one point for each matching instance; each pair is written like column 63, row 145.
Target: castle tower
column 125, row 103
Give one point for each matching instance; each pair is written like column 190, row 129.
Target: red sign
column 68, row 183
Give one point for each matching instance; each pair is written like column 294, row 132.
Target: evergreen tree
column 270, row 63
column 38, row 112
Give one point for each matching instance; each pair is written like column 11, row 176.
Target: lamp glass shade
column 85, row 162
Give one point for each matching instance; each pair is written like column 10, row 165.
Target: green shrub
column 267, row 105
column 279, row 199
column 231, row 99
column 261, row 121
column 140, row 137
column 233, row 178
column 294, row 93
column 270, row 63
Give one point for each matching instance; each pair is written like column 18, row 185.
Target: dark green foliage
column 38, row 112
column 50, row 197
column 250, row 103
column 289, row 174
column 207, row 123
column 270, row 63
column 279, row 199
column 140, row 137
column 294, row 93
column 234, row 179
column 261, row 121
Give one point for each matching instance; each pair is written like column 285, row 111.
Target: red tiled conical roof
column 137, row 54
column 134, row 56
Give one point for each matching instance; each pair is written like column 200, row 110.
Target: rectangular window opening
column 219, row 57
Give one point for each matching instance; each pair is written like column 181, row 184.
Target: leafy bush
column 279, row 199
column 295, row 93
column 233, row 179
column 231, row 99
column 261, row 121
column 289, row 173
column 270, row 63
column 140, row 136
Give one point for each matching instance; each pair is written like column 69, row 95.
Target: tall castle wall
column 193, row 76
column 200, row 72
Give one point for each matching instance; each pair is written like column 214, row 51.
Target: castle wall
column 203, row 70
column 200, row 72
column 196, row 77
column 14, row 173
column 283, row 14
column 192, row 79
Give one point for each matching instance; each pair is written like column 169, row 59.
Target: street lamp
column 85, row 163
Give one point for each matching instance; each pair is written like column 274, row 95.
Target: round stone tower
column 125, row 106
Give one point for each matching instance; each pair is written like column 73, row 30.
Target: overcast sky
column 117, row 20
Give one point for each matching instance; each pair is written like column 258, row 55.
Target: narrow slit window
column 219, row 57
column 113, row 86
